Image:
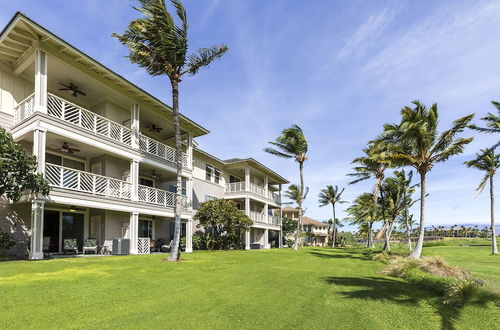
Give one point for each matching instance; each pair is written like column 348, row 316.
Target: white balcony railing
column 274, row 219
column 159, row 149
column 253, row 188
column 24, row 109
column 257, row 216
column 83, row 118
column 156, row 196
column 68, row 178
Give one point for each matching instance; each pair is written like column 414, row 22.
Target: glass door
column 145, row 229
column 51, row 231
column 72, row 227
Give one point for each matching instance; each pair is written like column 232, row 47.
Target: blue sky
column 339, row 69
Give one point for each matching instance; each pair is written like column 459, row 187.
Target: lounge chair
column 90, row 244
column 46, row 247
column 107, row 247
column 70, row 245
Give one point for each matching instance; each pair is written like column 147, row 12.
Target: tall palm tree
column 331, row 196
column 292, row 144
column 488, row 162
column 364, row 212
column 416, row 142
column 404, row 181
column 492, row 123
column 296, row 194
column 159, row 45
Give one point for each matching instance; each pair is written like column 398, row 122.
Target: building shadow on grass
column 397, row 291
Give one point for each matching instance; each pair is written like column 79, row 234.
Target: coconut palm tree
column 488, row 162
column 416, row 142
column 492, row 123
column 292, row 144
column 159, row 45
column 331, row 196
column 364, row 212
column 295, row 194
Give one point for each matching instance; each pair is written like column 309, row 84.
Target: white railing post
column 61, row 176
column 78, row 181
column 94, row 184
column 95, row 124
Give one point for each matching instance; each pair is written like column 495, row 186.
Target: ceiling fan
column 154, row 175
column 154, row 128
column 66, row 148
column 72, row 88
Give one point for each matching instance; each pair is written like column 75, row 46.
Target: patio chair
column 70, row 245
column 152, row 246
column 107, row 247
column 165, row 247
column 90, row 244
column 46, row 247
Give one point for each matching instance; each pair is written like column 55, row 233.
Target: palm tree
column 492, row 122
column 416, row 142
column 160, row 46
column 364, row 212
column 294, row 193
column 293, row 144
column 331, row 195
column 488, row 162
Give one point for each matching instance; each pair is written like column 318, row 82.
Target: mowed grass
column 314, row 288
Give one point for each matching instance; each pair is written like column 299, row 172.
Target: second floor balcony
column 263, row 218
column 97, row 125
column 241, row 187
column 103, row 186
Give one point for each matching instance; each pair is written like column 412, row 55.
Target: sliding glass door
column 72, row 227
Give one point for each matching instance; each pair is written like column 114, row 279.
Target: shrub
column 438, row 266
column 6, row 241
column 460, row 293
column 398, row 266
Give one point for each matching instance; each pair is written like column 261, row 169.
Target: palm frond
column 203, row 57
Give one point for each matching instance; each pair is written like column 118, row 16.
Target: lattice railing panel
column 143, row 245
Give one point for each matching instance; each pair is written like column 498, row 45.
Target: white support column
column 36, row 244
column 134, row 124
column 266, row 239
column 247, row 178
column 134, row 179
column 247, row 240
column 266, row 185
column 266, row 213
column 189, row 191
column 40, row 81
column 280, row 219
column 134, row 231
column 39, row 144
column 190, row 151
column 189, row 236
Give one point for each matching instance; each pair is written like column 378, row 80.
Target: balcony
column 240, row 187
column 261, row 217
column 98, row 185
column 98, row 125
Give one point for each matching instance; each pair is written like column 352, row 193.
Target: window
column 64, row 161
column 210, row 198
column 146, row 182
column 145, row 229
column 233, row 179
column 172, row 188
column 217, row 175
column 209, row 169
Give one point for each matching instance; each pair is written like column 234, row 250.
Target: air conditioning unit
column 121, row 246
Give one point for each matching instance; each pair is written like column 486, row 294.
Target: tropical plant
column 333, row 226
column 18, row 170
column 492, row 123
column 159, row 45
column 488, row 162
column 416, row 142
column 407, row 189
column 288, row 228
column 364, row 212
column 292, row 144
column 224, row 223
column 331, row 196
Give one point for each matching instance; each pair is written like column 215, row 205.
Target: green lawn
column 314, row 288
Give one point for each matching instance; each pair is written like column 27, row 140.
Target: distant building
column 309, row 225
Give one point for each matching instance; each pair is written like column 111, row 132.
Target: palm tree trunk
column 299, row 222
column 370, row 236
column 334, row 227
column 408, row 230
column 417, row 251
column 494, row 249
column 175, row 252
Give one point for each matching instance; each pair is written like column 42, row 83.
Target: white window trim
column 64, row 155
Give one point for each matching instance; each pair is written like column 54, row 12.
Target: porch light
column 72, row 208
